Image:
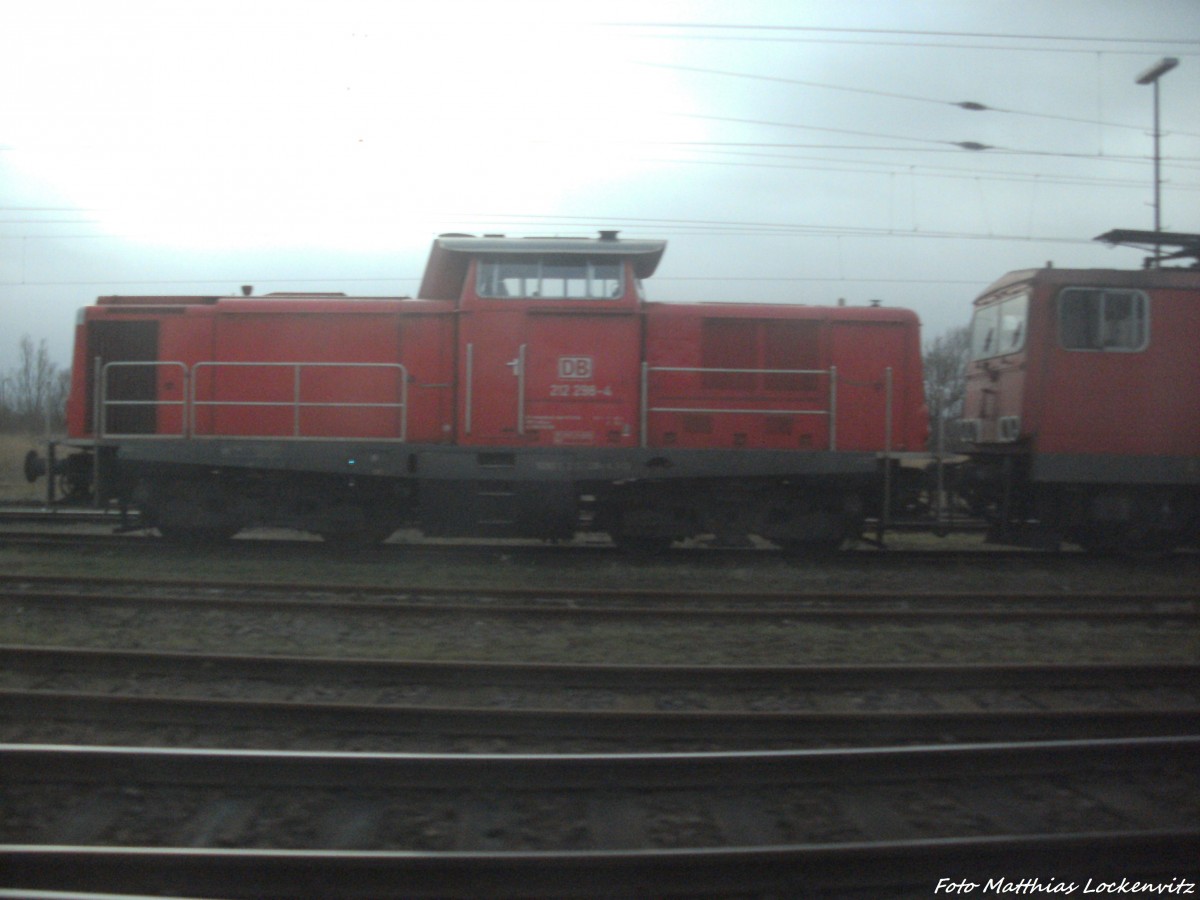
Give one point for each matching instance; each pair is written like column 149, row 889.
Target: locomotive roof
column 1145, row 279
column 1152, row 275
column 450, row 254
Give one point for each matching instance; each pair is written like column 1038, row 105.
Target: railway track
column 94, row 528
column 588, row 626
column 18, row 513
column 768, row 760
column 597, row 602
column 141, row 541
column 144, row 698
column 885, row 820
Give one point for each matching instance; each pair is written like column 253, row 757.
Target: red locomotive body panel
column 783, row 377
column 279, row 366
column 1148, row 401
column 183, row 340
column 1091, row 363
column 304, row 369
column 344, row 368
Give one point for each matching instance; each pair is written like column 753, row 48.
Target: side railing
column 296, row 404
column 198, row 392
column 830, row 412
column 106, row 405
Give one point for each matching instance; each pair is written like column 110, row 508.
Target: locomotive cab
column 548, row 338
column 998, row 364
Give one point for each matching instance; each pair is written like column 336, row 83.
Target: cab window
column 554, row 278
column 999, row 328
column 1097, row 319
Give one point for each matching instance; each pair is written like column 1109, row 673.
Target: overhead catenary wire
column 823, row 31
column 972, row 106
column 659, row 227
column 737, row 153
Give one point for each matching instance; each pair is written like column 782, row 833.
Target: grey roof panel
column 645, row 254
column 450, row 254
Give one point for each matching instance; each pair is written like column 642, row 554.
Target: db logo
column 574, row 367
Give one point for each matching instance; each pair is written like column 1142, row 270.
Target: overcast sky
column 797, row 151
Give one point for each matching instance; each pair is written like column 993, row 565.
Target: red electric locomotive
column 1083, row 404
column 529, row 391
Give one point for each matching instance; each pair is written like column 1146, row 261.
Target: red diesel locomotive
column 1082, row 410
column 529, row 390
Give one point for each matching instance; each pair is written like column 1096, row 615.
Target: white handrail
column 190, row 402
column 647, row 409
column 104, row 403
column 295, row 403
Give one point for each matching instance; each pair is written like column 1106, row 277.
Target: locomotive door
column 865, row 351
column 489, row 361
column 130, row 386
column 580, row 377
column 549, row 377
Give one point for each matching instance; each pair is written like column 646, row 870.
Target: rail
column 758, row 837
column 191, row 401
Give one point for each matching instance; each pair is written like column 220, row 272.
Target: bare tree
column 56, row 406
column 35, row 392
column 945, row 359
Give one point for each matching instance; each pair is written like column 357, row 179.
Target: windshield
column 560, row 279
column 999, row 328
